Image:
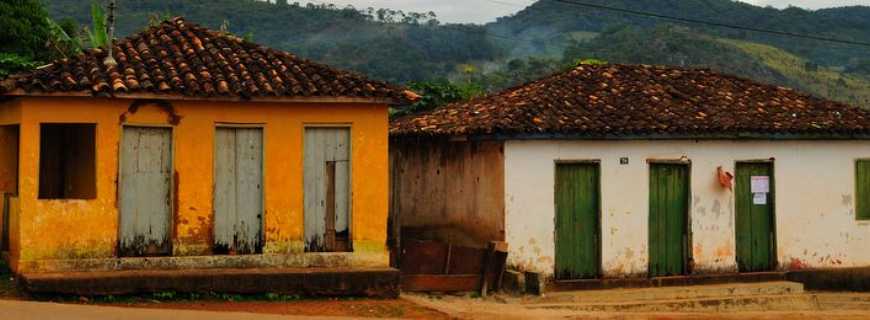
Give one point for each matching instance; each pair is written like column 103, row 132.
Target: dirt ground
column 506, row 308
column 347, row 307
column 425, row 306
column 362, row 308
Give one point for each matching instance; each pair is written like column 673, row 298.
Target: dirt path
column 507, row 308
column 358, row 308
column 29, row 310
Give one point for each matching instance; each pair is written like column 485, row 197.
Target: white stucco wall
column 814, row 181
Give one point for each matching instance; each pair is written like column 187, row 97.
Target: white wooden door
column 327, row 189
column 238, row 191
column 146, row 192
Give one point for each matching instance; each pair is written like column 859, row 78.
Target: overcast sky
column 481, row 11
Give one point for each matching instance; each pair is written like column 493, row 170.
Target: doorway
column 578, row 210
column 668, row 219
column 327, row 194
column 755, row 203
column 146, row 192
column 238, row 190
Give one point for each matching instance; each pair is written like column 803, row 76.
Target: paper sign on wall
column 760, row 184
column 759, row 198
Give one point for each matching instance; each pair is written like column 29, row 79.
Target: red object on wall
column 725, row 178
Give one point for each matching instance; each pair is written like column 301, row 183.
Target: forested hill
column 387, row 44
column 553, row 17
column 542, row 38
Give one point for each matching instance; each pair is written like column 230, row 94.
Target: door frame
column 774, row 248
column 688, row 255
column 598, row 226
column 350, row 202
column 173, row 192
column 229, row 125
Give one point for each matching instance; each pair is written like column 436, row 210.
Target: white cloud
column 477, row 11
column 482, row 11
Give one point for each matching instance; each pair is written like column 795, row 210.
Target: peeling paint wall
column 81, row 229
column 815, row 219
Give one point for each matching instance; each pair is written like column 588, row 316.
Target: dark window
column 862, row 190
column 67, row 162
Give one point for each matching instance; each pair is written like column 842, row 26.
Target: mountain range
column 541, row 38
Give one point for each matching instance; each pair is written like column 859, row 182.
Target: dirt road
column 833, row 306
column 26, row 310
column 357, row 308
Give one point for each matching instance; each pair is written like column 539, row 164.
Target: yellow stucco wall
column 83, row 229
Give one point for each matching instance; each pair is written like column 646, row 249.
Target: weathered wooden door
column 146, row 192
column 754, row 217
column 577, row 221
column 668, row 219
column 327, row 189
column 238, row 190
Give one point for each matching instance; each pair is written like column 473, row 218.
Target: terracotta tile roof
column 638, row 100
column 178, row 58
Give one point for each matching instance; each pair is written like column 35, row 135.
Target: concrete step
column 372, row 282
column 784, row 302
column 843, row 301
column 719, row 291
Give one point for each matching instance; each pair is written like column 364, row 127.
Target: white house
column 621, row 171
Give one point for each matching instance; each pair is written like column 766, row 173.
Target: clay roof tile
column 181, row 58
column 639, row 100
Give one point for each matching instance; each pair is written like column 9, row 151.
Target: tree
column 860, row 66
column 25, row 32
column 64, row 42
column 24, row 29
column 98, row 34
column 438, row 93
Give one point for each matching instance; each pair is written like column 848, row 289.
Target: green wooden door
column 577, row 221
column 754, row 217
column 668, row 225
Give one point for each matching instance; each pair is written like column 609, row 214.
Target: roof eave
column 177, row 97
column 617, row 137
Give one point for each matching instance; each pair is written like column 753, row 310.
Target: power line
column 710, row 23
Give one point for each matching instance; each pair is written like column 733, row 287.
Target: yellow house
column 193, row 150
